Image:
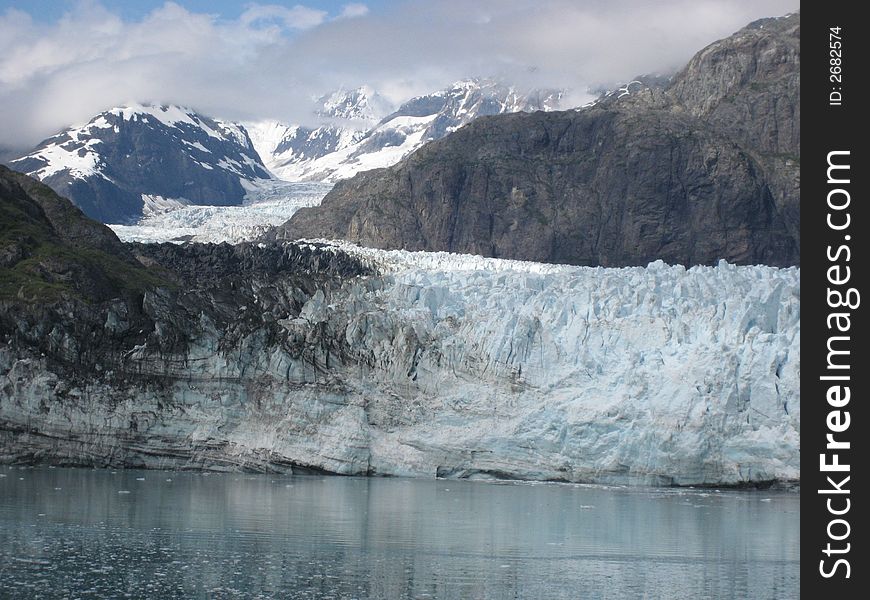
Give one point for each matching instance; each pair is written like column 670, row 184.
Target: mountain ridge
column 342, row 147
column 642, row 175
column 132, row 160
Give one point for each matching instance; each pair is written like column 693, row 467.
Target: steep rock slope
column 749, row 86
column 703, row 169
column 136, row 159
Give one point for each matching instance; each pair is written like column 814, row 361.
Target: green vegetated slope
column 49, row 250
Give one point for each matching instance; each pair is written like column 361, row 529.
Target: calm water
column 146, row 534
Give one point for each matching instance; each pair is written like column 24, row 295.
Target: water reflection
column 155, row 534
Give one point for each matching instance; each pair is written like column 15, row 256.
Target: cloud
column 351, row 11
column 271, row 61
column 298, row 17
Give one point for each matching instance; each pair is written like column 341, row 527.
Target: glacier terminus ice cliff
column 357, row 361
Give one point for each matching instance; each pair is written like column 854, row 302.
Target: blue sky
column 52, row 10
column 62, row 62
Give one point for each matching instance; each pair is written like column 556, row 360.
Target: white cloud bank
column 272, row 60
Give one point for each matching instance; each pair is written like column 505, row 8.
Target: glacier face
column 453, row 366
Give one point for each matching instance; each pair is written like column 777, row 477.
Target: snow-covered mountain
column 345, row 118
column 144, row 159
column 359, row 135
column 362, row 105
column 141, row 159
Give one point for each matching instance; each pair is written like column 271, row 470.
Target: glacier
column 267, row 203
column 442, row 365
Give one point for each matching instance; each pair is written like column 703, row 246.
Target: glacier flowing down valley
column 455, row 366
column 268, row 203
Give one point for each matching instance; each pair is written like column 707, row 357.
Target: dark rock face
column 705, row 169
column 87, row 328
column 106, row 166
column 749, row 86
column 539, row 189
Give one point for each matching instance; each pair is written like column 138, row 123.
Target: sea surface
column 80, row 533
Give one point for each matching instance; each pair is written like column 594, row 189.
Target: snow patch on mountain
column 265, row 136
column 363, row 105
column 406, row 136
column 106, row 166
column 360, row 133
column 79, row 160
column 196, row 145
column 174, row 116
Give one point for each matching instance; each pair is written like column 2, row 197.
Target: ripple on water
column 185, row 535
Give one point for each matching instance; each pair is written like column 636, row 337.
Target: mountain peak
column 111, row 163
column 355, row 136
column 597, row 186
column 359, row 104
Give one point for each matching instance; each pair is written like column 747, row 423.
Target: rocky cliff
column 703, row 169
